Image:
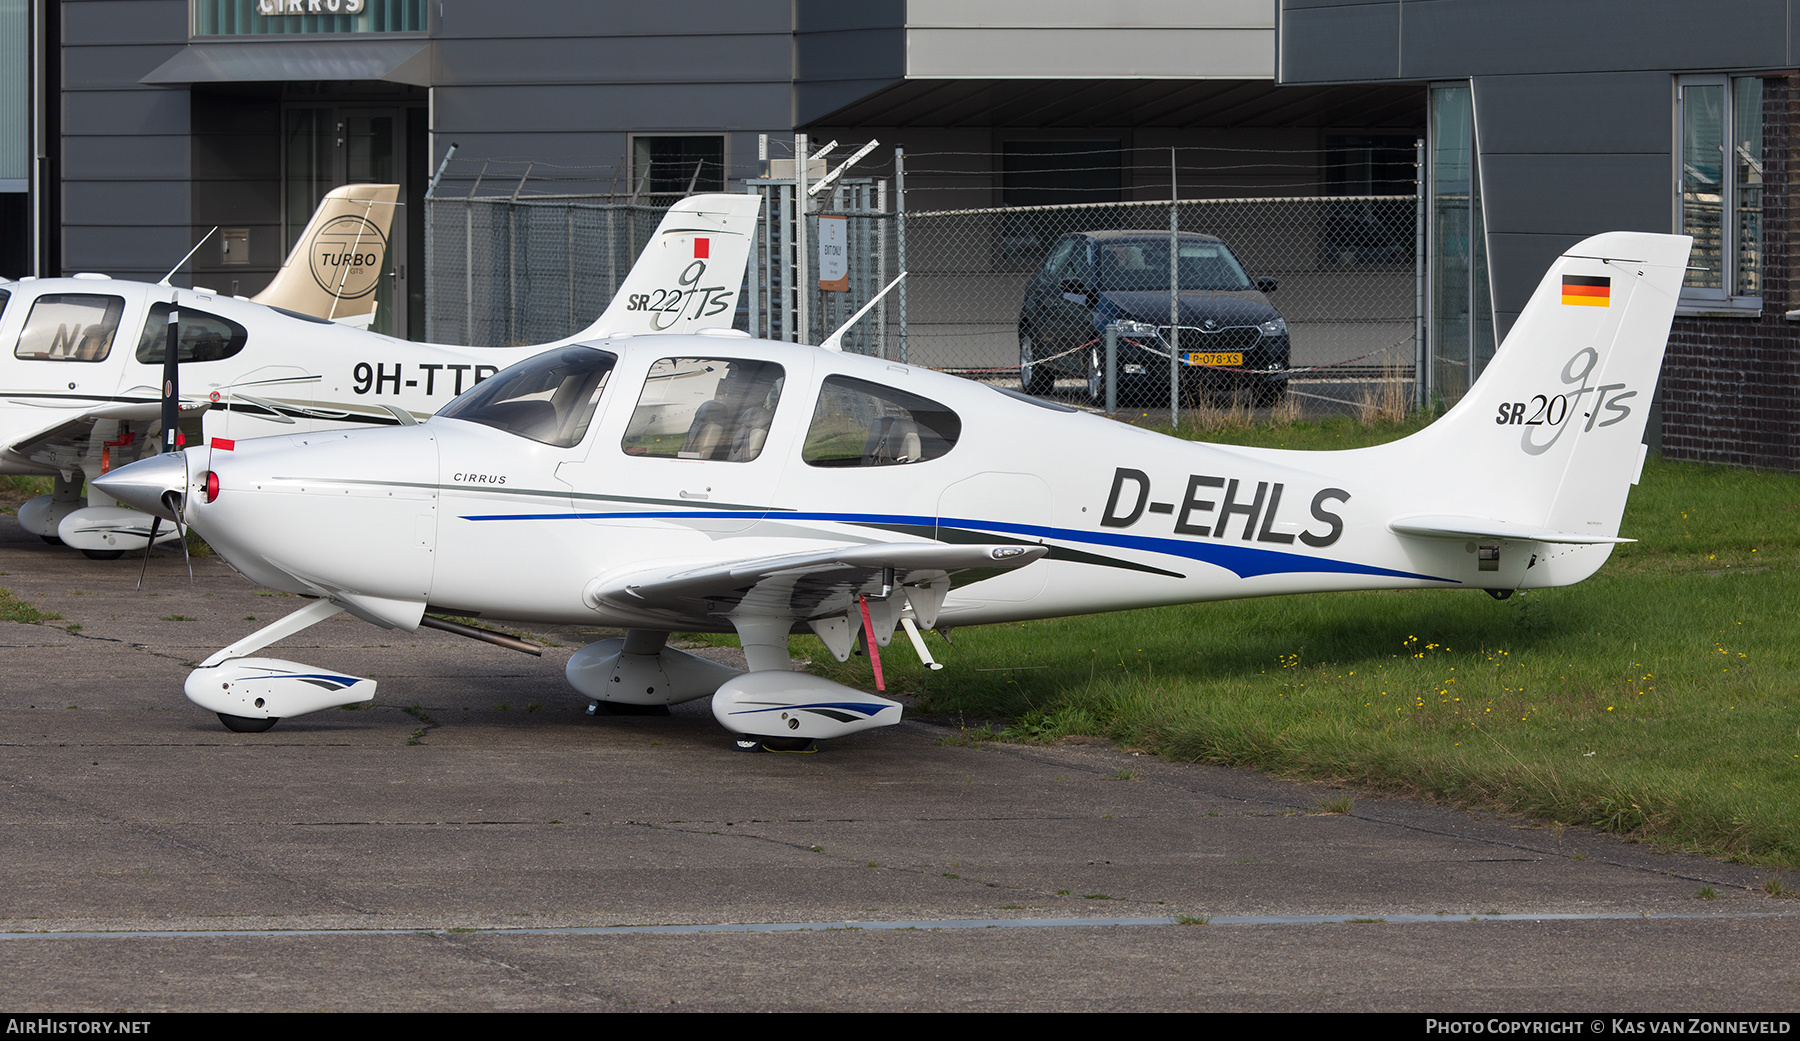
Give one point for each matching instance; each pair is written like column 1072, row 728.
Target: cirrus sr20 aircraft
column 721, row 483
column 79, row 384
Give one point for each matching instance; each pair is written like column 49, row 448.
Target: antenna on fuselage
column 190, row 256
column 835, row 342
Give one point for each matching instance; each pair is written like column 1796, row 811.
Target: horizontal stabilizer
column 1446, row 526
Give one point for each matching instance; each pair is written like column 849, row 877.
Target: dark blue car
column 1233, row 343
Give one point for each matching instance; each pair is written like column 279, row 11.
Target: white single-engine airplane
column 722, row 484
column 76, row 402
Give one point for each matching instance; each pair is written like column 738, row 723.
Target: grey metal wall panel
column 127, row 203
column 1452, row 39
column 865, row 54
column 834, row 69
column 813, row 16
column 113, row 66
column 150, row 157
column 1578, row 194
column 91, row 22
column 126, row 252
column 1351, row 44
column 1455, row 38
column 670, row 59
column 484, row 19
column 125, row 113
column 578, row 108
column 1517, row 263
column 124, row 222
column 1602, row 112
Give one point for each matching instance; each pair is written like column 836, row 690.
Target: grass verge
column 1656, row 700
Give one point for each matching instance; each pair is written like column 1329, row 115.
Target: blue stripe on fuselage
column 1242, row 561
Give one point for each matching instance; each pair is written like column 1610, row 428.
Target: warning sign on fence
column 834, row 260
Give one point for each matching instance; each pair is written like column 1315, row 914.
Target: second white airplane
column 725, row 484
column 79, row 386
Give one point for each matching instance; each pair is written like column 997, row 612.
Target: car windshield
column 1143, row 264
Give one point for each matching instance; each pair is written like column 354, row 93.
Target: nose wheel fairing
column 271, row 688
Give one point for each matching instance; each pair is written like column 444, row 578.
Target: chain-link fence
column 1342, row 270
column 783, row 301
column 509, row 271
column 1335, row 278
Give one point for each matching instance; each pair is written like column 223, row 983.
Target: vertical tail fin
column 689, row 275
column 1550, row 438
column 337, row 262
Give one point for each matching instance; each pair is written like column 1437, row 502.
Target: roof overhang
column 261, row 61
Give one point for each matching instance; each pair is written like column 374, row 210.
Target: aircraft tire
column 247, row 724
column 102, row 554
column 51, row 539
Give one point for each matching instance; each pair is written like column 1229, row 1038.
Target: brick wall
column 1731, row 386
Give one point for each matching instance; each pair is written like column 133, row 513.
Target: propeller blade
column 155, row 522
column 171, row 388
column 177, row 504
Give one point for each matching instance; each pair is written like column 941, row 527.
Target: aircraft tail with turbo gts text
column 337, row 264
column 1547, row 443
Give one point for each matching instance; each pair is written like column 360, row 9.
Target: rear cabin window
column 202, row 336
column 858, row 423
column 705, row 408
column 70, row 327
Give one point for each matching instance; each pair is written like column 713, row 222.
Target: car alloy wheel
column 1033, row 378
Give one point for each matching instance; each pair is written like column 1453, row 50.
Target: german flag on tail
column 1587, row 290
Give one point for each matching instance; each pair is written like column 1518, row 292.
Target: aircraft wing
column 817, row 587
column 64, row 443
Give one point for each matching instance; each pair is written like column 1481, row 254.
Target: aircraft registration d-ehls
column 664, row 484
column 79, row 388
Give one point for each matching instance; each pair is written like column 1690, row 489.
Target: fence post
column 900, row 236
column 1112, row 367
column 1174, row 304
column 802, row 316
column 787, row 262
column 881, row 276
column 1421, row 351
column 753, row 269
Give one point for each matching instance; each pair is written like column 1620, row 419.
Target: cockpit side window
column 858, row 423
column 550, row 398
column 203, row 336
column 705, row 408
column 70, row 327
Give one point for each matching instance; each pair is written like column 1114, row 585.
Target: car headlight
column 1278, row 327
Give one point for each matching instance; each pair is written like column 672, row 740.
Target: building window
column 1719, row 174
column 1459, row 317
column 669, row 166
